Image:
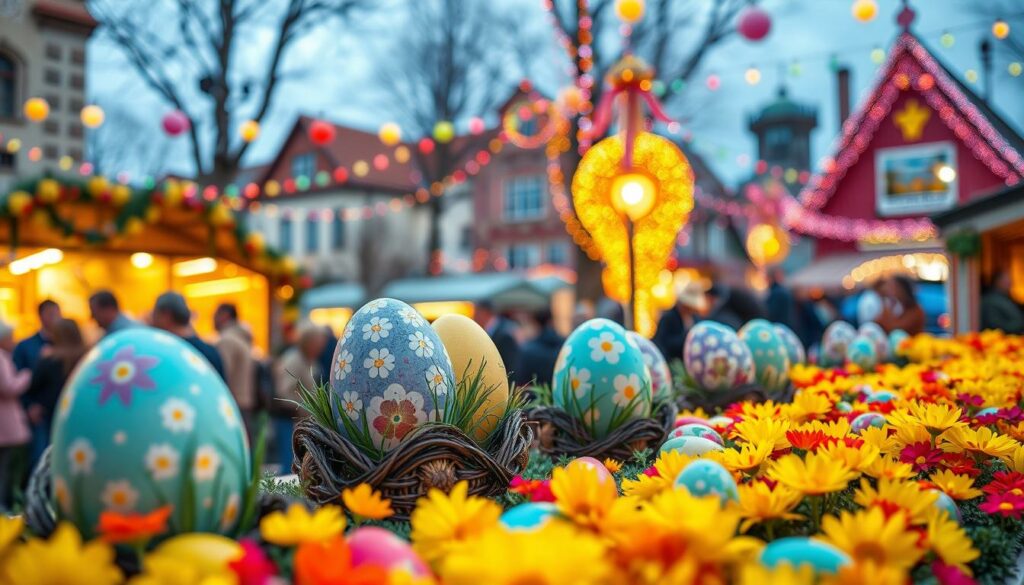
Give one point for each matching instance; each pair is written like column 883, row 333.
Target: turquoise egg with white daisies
column 896, row 339
column 705, row 477
column 771, row 358
column 690, row 445
column 823, row 558
column 697, row 430
column 145, row 421
column 390, row 373
column 874, row 332
column 600, row 377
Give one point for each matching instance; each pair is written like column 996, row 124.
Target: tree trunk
column 588, row 272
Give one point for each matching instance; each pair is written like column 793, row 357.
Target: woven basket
column 432, row 456
column 716, row 401
column 561, row 434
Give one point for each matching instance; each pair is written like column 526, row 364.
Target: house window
column 523, row 256
column 8, row 87
column 524, row 198
column 75, row 153
column 53, row 52
column 466, row 240
column 75, row 130
column 54, row 101
column 78, row 56
column 50, row 151
column 51, row 127
column 285, row 235
column 52, row 77
column 338, row 231
column 304, row 165
column 558, row 253
column 6, row 161
column 312, row 234
column 77, row 81
column 75, row 105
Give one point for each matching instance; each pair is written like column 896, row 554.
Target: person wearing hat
column 171, row 313
column 675, row 323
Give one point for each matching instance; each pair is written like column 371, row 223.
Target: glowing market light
column 92, row 116
column 946, row 174
column 1015, row 68
column 195, row 267
column 1000, row 29
column 971, row 76
column 752, row 76
column 877, row 55
column 864, row 10
column 35, row 261
column 947, row 39
column 141, row 260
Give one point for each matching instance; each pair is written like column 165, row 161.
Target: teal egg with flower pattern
column 705, row 477
column 799, row 550
column 771, row 358
column 390, row 373
column 715, row 357
column 661, row 375
column 144, row 422
column 861, row 351
column 794, row 347
column 838, row 336
column 867, row 419
column 600, row 377
column 896, row 339
column 690, row 445
column 874, row 332
column 697, row 430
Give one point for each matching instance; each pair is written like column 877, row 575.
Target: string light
column 947, row 39
column 752, row 76
column 971, row 76
column 1000, row 29
column 713, row 82
column 877, row 55
column 1015, row 68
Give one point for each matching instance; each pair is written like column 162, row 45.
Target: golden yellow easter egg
column 469, row 346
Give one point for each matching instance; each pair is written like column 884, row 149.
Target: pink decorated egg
column 376, row 546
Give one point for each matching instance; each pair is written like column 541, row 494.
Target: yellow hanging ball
column 134, row 226
column 18, row 203
column 120, row 195
column 249, row 130
column 1000, row 29
column 96, row 186
column 629, row 11
column 864, row 10
column 48, row 190
column 767, row 244
column 36, row 109
column 444, row 132
column 390, row 134
column 92, row 116
column 221, row 216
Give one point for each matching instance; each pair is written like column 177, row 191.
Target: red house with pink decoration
column 922, row 143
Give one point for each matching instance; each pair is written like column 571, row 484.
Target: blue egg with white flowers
column 705, row 477
column 800, row 550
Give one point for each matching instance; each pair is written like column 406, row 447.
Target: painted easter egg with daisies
column 838, row 336
column 144, row 422
column 794, row 347
column 715, row 357
column 661, row 375
column 600, row 377
column 771, row 358
column 390, row 374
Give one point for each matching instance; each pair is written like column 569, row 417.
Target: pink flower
column 951, row 575
column 253, row 567
column 921, row 456
column 1006, row 505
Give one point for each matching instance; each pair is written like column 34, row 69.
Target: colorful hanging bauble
column 864, row 10
column 36, row 109
column 754, row 23
column 767, row 244
column 175, row 122
column 321, row 133
column 1000, row 29
column 629, row 11
column 425, row 145
column 390, row 134
column 476, row 125
column 249, row 130
column 444, row 132
column 92, row 116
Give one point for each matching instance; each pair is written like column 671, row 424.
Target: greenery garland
column 964, row 243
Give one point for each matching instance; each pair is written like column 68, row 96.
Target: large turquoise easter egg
column 861, row 351
column 697, row 430
column 771, row 358
column 529, row 516
column 600, row 377
column 705, row 477
column 868, row 419
column 715, row 357
column 692, row 446
column 390, row 373
column 794, row 347
column 145, row 421
column 874, row 332
column 896, row 338
column 800, row 550
column 834, row 342
column 661, row 375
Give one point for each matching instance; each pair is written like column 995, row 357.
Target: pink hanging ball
column 175, row 123
column 754, row 23
column 372, row 545
column 321, row 133
column 476, row 125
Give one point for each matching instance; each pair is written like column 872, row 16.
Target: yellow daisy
column 770, row 431
column 64, row 559
column 700, row 522
column 905, row 495
column 958, row 487
column 668, row 465
column 981, row 440
column 854, row 457
column 441, row 521
column 879, row 437
column 582, row 495
column 807, row 406
column 936, row 417
column 759, row 502
column 861, row 573
column 297, row 525
column 815, row 475
column 747, row 458
column 10, row 530
column 948, row 540
column 885, row 467
column 612, row 465
column 782, row 574
column 868, row 536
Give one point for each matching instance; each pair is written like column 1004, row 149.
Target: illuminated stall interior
column 179, row 251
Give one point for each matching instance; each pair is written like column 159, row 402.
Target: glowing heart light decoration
column 767, row 241
column 633, row 192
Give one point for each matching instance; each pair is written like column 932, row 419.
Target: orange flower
column 612, row 465
column 329, row 562
column 118, row 528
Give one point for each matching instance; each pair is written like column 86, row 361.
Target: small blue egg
column 800, row 550
column 868, row 419
column 987, row 411
column 697, row 430
column 944, row 502
column 881, row 396
column 861, row 351
column 844, row 407
column 529, row 516
column 692, row 446
column 705, row 477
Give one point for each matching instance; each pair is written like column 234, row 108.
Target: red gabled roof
column 912, row 66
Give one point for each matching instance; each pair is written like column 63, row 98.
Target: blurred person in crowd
column 299, row 364
column 14, row 429
column 583, row 312
column 869, row 304
column 235, row 348
column 171, row 313
column 733, row 305
column 900, row 309
column 48, row 379
column 675, row 323
column 29, row 350
column 537, row 356
column 501, row 329
column 998, row 309
column 107, row 312
column 780, row 303
column 809, row 327
column 327, row 355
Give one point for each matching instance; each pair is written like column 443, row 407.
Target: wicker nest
column 561, row 434
column 433, row 456
column 715, row 401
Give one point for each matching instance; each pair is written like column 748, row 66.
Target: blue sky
column 805, row 32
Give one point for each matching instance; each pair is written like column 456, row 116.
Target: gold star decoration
column 912, row 119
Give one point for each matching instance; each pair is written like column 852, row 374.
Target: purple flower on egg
column 123, row 373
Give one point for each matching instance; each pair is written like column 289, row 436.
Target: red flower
column 536, row 490
column 1006, row 482
column 960, row 464
column 652, row 471
column 807, row 440
column 543, row 492
column 970, row 399
column 330, row 563
column 921, row 456
column 951, row 575
column 1006, row 505
column 117, row 528
column 1014, row 414
column 253, row 567
column 396, row 419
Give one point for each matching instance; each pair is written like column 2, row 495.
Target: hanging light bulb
column 864, row 10
column 1000, row 29
column 971, row 75
column 877, row 55
column 1015, row 68
column 947, row 39
column 752, row 76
